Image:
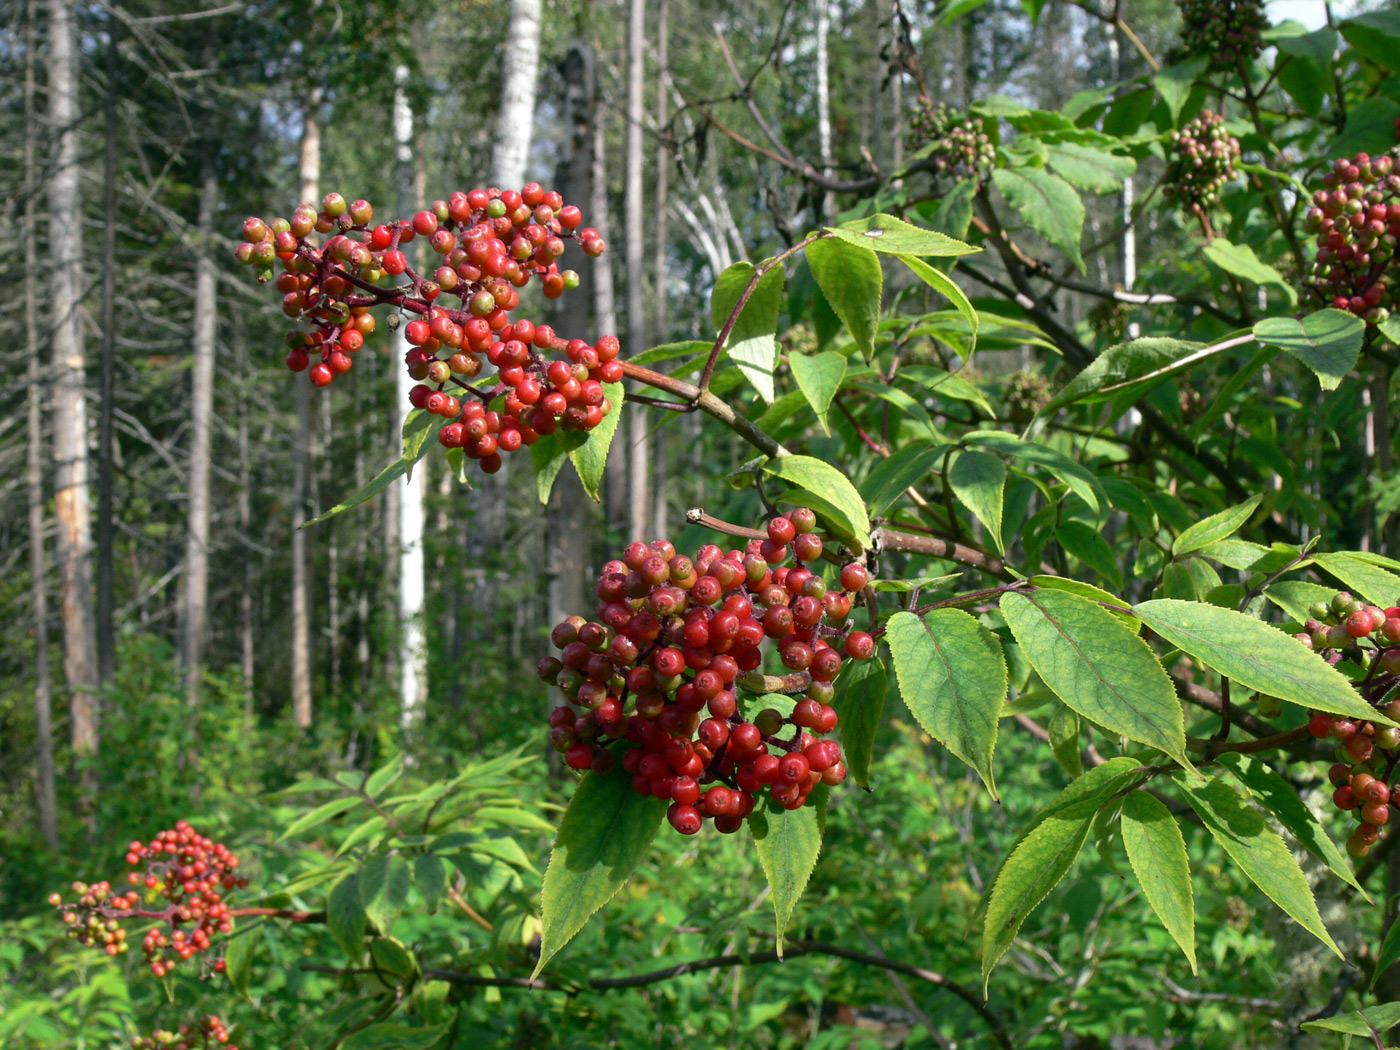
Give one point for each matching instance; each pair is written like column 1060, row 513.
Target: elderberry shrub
column 1226, row 32
column 675, row 640
column 1202, row 160
column 957, row 145
column 488, row 243
column 1367, row 754
column 189, row 872
column 207, row 1032
column 1356, row 217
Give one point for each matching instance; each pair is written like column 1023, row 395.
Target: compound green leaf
column 430, row 876
column 851, row 281
column 1256, row 655
column 1371, row 582
column 590, row 457
column 604, row 834
column 1370, row 127
column 393, row 1036
column 1080, row 481
column 885, row 233
column 894, row 474
column 1359, row 1022
column 952, row 677
column 1174, row 83
column 1032, row 870
column 1215, row 528
column 1240, row 260
column 373, row 487
column 1157, row 853
column 1116, row 371
column 1258, row 849
column 318, row 816
column 861, row 704
column 979, row 481
column 819, row 377
column 1090, row 169
column 1281, row 799
column 941, row 282
column 240, row 948
column 1063, row 728
column 1327, row 341
column 1098, row 666
column 751, row 344
column 345, row 915
column 1092, row 550
column 788, row 842
column 1048, row 204
column 836, row 489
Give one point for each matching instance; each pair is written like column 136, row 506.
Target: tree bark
column 605, row 317
column 196, row 575
column 413, row 672
column 823, row 29
column 67, row 378
column 247, row 650
column 106, row 627
column 639, row 474
column 659, row 516
column 46, row 796
column 310, row 173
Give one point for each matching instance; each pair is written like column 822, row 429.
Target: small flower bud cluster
column 1226, row 32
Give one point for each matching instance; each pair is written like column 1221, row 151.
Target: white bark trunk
column 824, row 100
column 196, row 575
column 520, row 70
column 638, row 467
column 68, row 380
column 413, row 671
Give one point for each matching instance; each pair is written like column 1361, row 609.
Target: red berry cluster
column 1366, row 753
column 1227, row 32
column 1357, row 221
column 958, row 145
column 191, row 873
column 1202, row 161
column 674, row 637
column 489, row 243
column 200, row 1036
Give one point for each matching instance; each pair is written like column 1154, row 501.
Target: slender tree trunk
column 569, row 537
column 824, row 100
column 332, row 532
column 106, row 627
column 310, row 172
column 245, row 524
column 515, row 126
column 638, row 457
column 67, row 379
column 196, row 575
column 659, row 516
column 605, row 319
column 44, row 789
column 413, row 676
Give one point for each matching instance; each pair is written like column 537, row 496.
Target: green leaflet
column 1255, row 655
column 788, row 842
column 1157, row 853
column 1258, row 850
column 1215, row 528
column 1327, row 341
column 1048, row 204
column 861, row 704
column 979, row 481
column 1098, row 667
column 751, row 343
column 819, row 377
column 604, row 834
column 835, row 488
column 850, row 279
column 952, row 677
column 1032, row 870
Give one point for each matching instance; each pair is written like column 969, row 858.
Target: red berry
column 684, row 818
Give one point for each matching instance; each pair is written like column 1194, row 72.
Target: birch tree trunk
column 44, row 789
column 67, row 377
column 106, row 627
column 413, row 671
column 310, row 173
column 660, row 518
column 515, row 125
column 638, row 468
column 196, row 576
column 605, row 317
column 824, row 101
